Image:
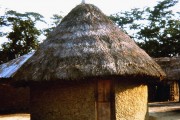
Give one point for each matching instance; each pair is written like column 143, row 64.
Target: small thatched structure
column 88, row 69
column 7, row 70
column 13, row 99
column 171, row 66
column 169, row 88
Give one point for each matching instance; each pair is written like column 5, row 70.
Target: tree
column 2, row 23
column 56, row 21
column 156, row 30
column 24, row 35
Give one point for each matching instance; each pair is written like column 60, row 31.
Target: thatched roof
column 7, row 70
column 87, row 44
column 171, row 66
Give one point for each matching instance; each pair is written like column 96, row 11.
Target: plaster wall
column 131, row 101
column 13, row 99
column 63, row 102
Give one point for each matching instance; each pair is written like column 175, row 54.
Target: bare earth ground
column 15, row 117
column 164, row 111
column 157, row 111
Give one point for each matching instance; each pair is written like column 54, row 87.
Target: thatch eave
column 87, row 44
column 171, row 66
column 142, row 79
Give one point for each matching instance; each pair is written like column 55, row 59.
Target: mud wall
column 131, row 101
column 13, row 99
column 63, row 101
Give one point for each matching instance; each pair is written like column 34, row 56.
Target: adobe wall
column 131, row 101
column 63, row 102
column 13, row 99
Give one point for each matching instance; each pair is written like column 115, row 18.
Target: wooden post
column 83, row 2
column 174, row 91
column 179, row 90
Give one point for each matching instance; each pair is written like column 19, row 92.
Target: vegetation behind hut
column 23, row 37
column 156, row 30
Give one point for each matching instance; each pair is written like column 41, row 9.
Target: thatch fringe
column 171, row 66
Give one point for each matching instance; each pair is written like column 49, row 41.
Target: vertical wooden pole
column 174, row 91
column 179, row 89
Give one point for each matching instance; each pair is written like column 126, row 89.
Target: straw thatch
column 87, row 44
column 171, row 66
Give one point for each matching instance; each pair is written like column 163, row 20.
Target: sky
column 49, row 7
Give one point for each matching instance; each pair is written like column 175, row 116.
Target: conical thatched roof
column 87, row 44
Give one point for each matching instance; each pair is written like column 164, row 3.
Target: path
column 164, row 111
column 15, row 117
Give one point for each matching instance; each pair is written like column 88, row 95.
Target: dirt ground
column 157, row 111
column 164, row 111
column 15, row 117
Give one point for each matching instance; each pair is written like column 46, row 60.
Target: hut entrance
column 104, row 102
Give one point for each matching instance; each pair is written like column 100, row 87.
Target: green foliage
column 23, row 36
column 127, row 20
column 56, row 21
column 2, row 23
column 156, row 30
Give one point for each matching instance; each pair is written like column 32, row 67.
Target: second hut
column 88, row 69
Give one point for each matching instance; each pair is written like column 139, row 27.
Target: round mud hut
column 88, row 69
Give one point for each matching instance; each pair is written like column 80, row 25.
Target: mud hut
column 168, row 90
column 13, row 99
column 88, row 69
